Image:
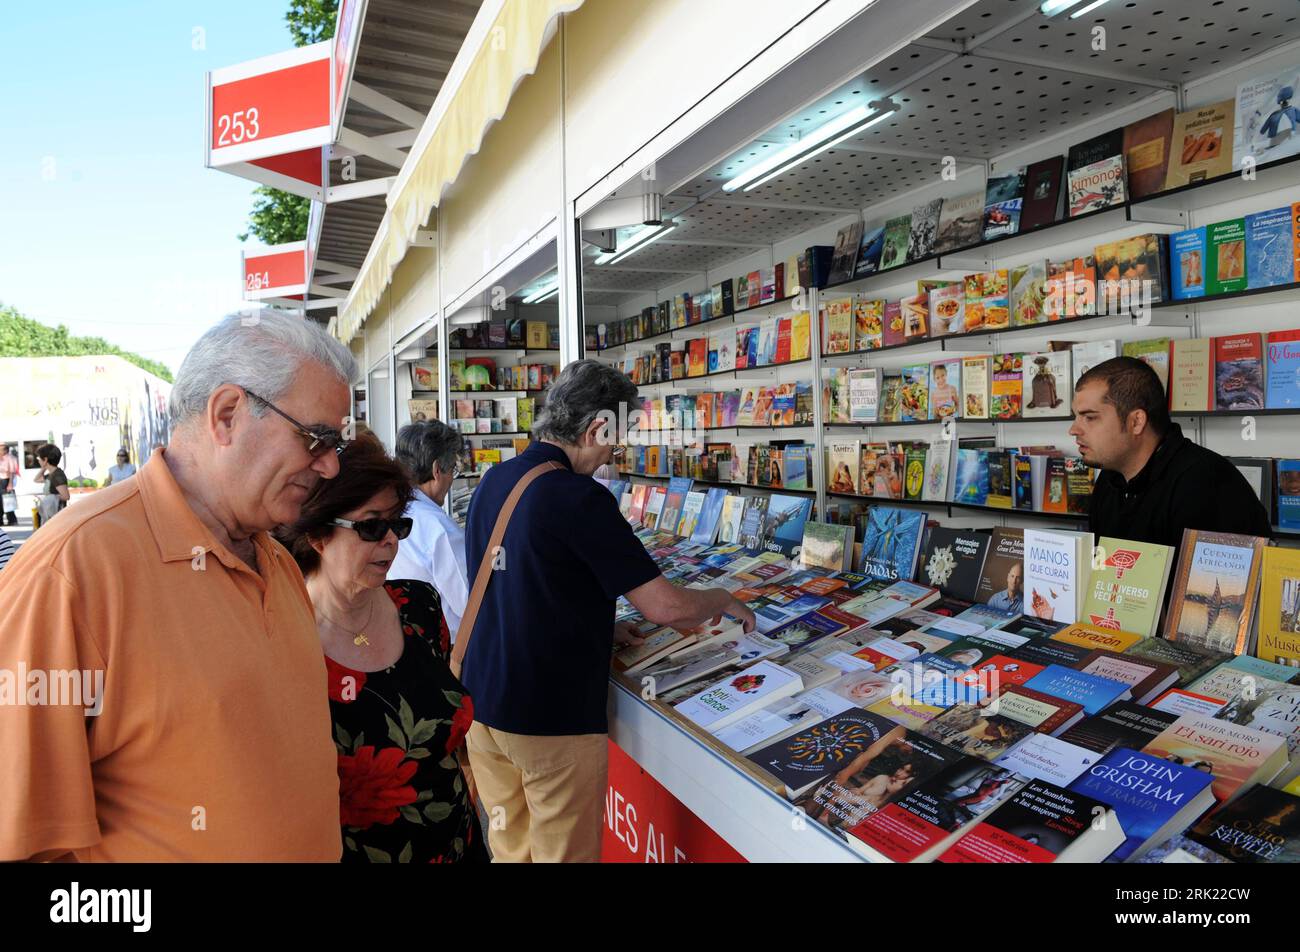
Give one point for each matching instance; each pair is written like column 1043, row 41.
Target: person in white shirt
column 434, row 552
column 124, row 469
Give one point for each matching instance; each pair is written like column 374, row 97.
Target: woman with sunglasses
column 399, row 715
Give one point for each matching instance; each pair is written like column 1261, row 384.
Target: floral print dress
column 402, row 798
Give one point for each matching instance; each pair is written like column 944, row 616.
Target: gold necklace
column 359, row 638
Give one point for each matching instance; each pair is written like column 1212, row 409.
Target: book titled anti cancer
column 726, row 702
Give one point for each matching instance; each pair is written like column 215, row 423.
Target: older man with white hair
column 174, row 700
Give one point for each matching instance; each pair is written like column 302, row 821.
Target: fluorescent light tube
column 1088, row 9
column 1050, row 8
column 648, row 235
column 819, row 140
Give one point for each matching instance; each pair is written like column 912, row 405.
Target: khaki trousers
column 544, row 796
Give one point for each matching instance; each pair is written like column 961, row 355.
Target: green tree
column 311, row 21
column 279, row 217
column 23, row 337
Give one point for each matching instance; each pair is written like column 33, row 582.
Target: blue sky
column 108, row 221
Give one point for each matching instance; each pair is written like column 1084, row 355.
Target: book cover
column 842, row 466
column 960, row 222
column 1049, row 759
column 827, row 546
column 1273, row 708
column 1005, row 397
column 924, row 230
column 975, row 388
column 915, row 312
column 1262, row 826
column 953, row 560
column 938, row 470
column 1288, row 493
column 1225, row 256
column 1146, row 153
column 1154, row 353
column 893, row 324
column 1000, row 478
column 1237, row 757
column 807, row 757
column 1095, row 173
column 729, row 700
column 1123, row 724
column 914, row 473
column 706, row 527
column 1279, row 607
column 870, row 252
column 1087, row 354
column 784, row 523
column 945, row 389
column 1097, row 186
column 888, row 770
column 1214, row 590
column 891, row 542
column 868, row 319
column 897, row 236
column 1200, row 144
column 971, row 479
column 1001, row 579
column 1053, row 575
column 1146, row 679
column 1091, row 636
column 1045, row 382
column 1270, row 250
column 977, row 731
column 915, row 396
column 1187, row 256
column 988, row 300
column 1042, row 201
column 1132, row 274
column 947, row 310
column 1028, row 285
column 1191, row 374
column 1093, row 692
column 839, row 326
column 1191, row 662
column 844, row 261
column 1127, row 585
column 733, row 508
column 1264, row 118
column 1040, row 823
column 1153, row 797
column 1282, row 349
column 691, row 510
column 864, row 394
column 1004, row 194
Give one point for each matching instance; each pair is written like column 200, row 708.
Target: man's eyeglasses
column 374, row 530
column 320, row 439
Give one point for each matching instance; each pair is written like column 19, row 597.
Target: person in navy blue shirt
column 537, row 664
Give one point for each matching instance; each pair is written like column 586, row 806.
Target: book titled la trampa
column 1154, row 798
column 1093, row 692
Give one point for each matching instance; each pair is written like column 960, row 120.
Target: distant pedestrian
column 124, row 469
column 53, row 480
column 7, row 548
column 10, row 470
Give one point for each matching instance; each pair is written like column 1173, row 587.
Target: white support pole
column 354, row 190
column 568, row 243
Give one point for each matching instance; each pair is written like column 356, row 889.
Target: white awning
column 502, row 48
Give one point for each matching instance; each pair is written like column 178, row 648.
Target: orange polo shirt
column 213, row 741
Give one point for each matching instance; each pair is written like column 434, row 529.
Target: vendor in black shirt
column 1154, row 482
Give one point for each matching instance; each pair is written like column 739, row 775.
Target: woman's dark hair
column 423, row 443
column 50, row 453
column 365, row 470
column 1131, row 385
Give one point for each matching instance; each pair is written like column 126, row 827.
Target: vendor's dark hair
column 1131, row 385
column 365, row 469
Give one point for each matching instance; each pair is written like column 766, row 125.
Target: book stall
column 856, row 336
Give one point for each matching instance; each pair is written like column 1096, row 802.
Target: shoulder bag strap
column 484, row 575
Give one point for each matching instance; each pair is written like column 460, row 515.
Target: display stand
column 756, row 821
